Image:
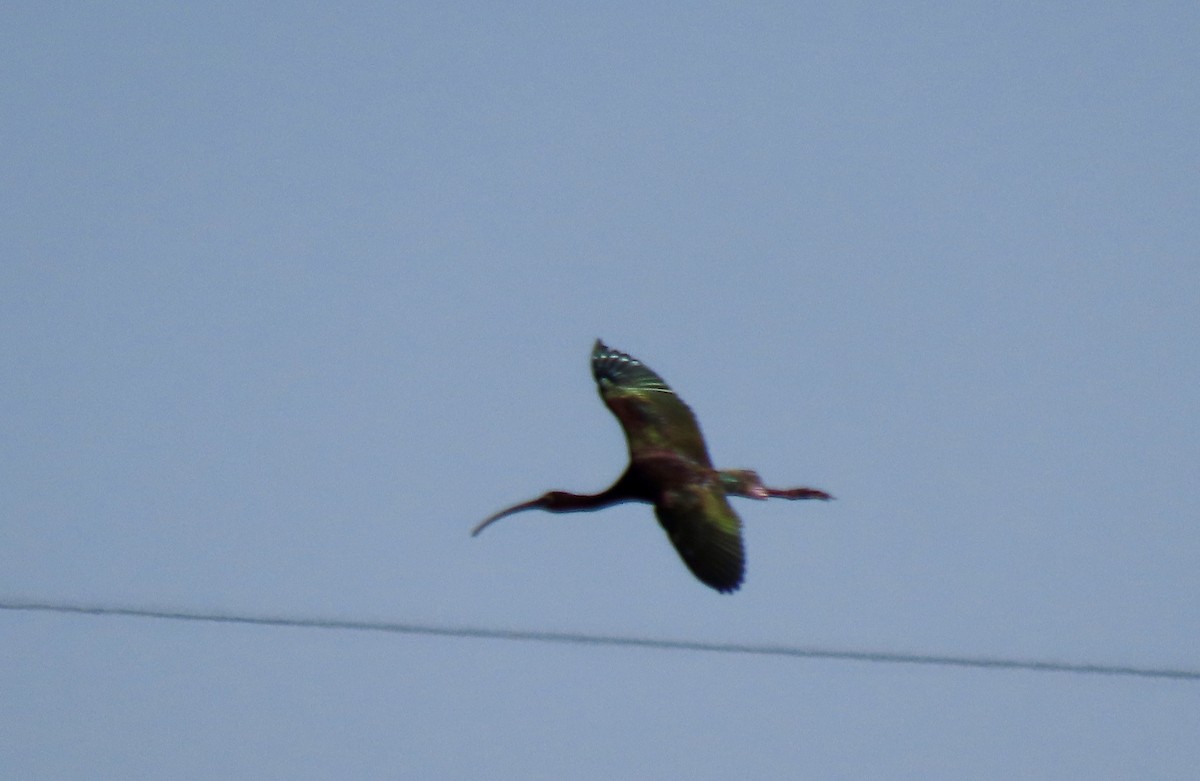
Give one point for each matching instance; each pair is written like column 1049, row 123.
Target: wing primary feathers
column 706, row 533
column 614, row 367
column 654, row 418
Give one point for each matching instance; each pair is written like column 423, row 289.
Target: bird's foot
column 798, row 493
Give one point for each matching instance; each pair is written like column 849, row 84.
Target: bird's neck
column 563, row 502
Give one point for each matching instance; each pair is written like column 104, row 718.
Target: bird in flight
column 669, row 468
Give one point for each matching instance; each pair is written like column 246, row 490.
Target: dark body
column 669, row 467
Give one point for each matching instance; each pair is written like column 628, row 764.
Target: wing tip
column 727, row 588
column 613, row 367
column 601, row 352
column 720, row 579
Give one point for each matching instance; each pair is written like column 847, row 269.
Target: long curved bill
column 516, row 508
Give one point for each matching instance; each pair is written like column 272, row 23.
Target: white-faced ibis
column 669, row 468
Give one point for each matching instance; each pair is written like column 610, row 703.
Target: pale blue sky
column 293, row 295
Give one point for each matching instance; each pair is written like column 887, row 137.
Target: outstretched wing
column 653, row 417
column 706, row 532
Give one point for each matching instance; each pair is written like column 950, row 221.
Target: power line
column 581, row 638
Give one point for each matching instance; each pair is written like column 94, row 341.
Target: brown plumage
column 669, row 467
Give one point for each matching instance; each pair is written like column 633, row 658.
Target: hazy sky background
column 293, row 295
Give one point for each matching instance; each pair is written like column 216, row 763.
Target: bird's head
column 555, row 500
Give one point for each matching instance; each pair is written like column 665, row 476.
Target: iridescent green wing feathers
column 653, row 417
column 664, row 438
column 706, row 532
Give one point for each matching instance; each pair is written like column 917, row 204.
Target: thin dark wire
column 579, row 638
